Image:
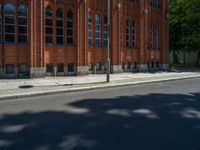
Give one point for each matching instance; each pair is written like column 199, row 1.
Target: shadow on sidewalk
column 154, row 122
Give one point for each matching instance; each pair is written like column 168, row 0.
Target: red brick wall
column 37, row 54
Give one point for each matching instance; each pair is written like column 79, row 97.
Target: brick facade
column 139, row 38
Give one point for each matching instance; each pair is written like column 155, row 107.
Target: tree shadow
column 155, row 121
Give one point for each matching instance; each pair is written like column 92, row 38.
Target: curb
column 86, row 88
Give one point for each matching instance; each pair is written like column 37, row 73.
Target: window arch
column 9, row 22
column 157, row 36
column 59, row 26
column 105, row 32
column 49, row 25
column 98, row 30
column 134, row 34
column 22, row 23
column 128, row 33
column 70, row 27
column 90, row 29
column 152, row 36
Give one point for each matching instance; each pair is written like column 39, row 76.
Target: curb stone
column 93, row 87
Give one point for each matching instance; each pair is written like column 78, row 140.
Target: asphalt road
column 156, row 116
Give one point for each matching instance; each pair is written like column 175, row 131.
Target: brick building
column 66, row 37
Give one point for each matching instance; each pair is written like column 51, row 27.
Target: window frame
column 90, row 29
column 49, row 26
column 98, row 30
column 128, row 33
column 9, row 14
column 22, row 25
column 134, row 33
column 61, row 28
column 70, row 20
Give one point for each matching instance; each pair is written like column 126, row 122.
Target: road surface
column 155, row 116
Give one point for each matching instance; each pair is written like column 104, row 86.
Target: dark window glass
column 22, row 23
column 90, row 29
column 98, row 30
column 49, row 30
column 49, row 68
column 49, row 25
column 105, row 32
column 71, row 67
column 9, row 22
column 9, row 19
column 60, row 67
column 128, row 33
column 49, row 12
column 22, row 39
column 98, row 66
column 9, row 8
column 134, row 34
column 152, row 36
column 59, row 13
column 70, row 28
column 59, row 26
column 22, row 30
column 22, row 10
column 10, row 69
column 23, row 68
column 9, row 29
column 49, row 39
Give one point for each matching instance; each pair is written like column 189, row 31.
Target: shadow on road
column 150, row 122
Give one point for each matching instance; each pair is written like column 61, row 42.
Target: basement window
column 9, row 69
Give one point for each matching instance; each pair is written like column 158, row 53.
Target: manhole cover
column 68, row 84
column 25, row 86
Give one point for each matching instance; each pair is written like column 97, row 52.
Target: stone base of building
column 82, row 70
column 37, row 72
column 142, row 67
column 117, row 69
column 1, row 73
column 165, row 67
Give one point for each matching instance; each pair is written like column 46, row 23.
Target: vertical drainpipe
column 85, row 37
column 35, row 21
column 119, row 9
column 42, row 33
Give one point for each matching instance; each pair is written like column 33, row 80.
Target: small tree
column 185, row 26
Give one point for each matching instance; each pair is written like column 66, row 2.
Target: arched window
column 157, row 36
column 152, row 3
column 128, row 33
column 49, row 25
column 59, row 26
column 70, row 28
column 121, row 33
column 152, row 37
column 22, row 23
column 98, row 30
column 9, row 22
column 105, row 32
column 134, row 33
column 89, row 29
column 156, row 3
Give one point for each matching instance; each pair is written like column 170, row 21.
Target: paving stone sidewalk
column 15, row 88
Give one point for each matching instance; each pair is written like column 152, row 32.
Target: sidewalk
column 16, row 88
